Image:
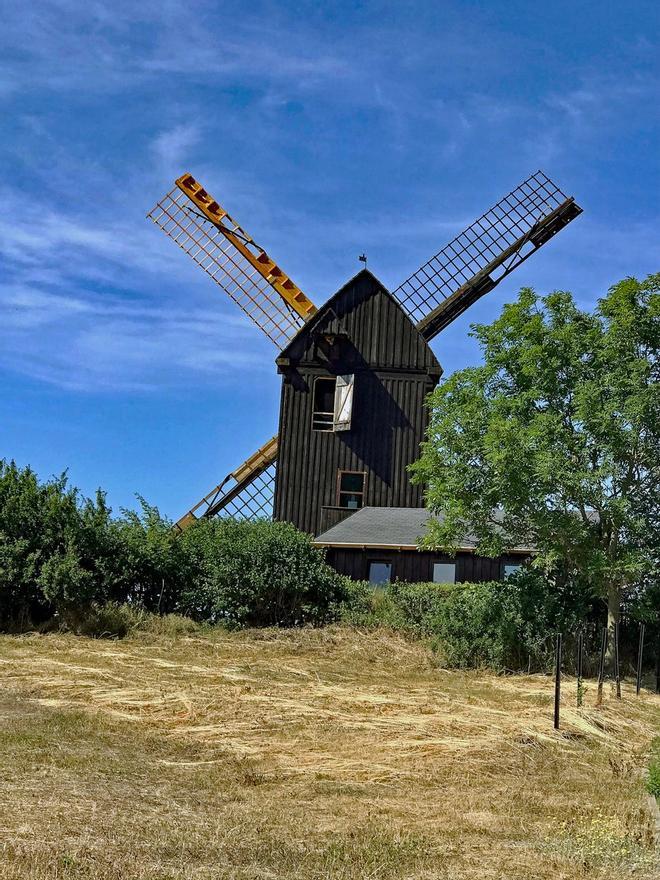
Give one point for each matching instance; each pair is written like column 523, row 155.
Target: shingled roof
column 396, row 528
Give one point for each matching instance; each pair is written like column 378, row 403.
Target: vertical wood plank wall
column 414, row 566
column 394, row 372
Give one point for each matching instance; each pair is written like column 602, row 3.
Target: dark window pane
column 324, row 395
column 351, row 482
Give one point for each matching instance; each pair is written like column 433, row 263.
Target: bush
column 256, row 574
column 110, row 621
column 653, row 778
column 56, row 549
column 504, row 625
column 411, row 608
column 116, row 621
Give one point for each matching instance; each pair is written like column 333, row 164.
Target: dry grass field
column 309, row 754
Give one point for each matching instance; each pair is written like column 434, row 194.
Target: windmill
column 330, row 462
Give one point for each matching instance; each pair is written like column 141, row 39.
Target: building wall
column 388, row 424
column 394, row 372
column 414, row 566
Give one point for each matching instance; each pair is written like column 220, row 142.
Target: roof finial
column 363, row 259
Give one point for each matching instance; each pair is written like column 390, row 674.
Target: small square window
column 511, row 568
column 444, row 573
column 350, row 489
column 380, row 572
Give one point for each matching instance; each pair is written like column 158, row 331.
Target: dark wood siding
column 414, row 566
column 394, row 372
column 380, row 331
column 389, row 420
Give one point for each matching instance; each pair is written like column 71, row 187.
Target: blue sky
column 328, row 130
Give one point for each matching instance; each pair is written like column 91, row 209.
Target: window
column 350, row 489
column 324, row 403
column 510, row 568
column 380, row 572
column 333, row 403
column 444, row 572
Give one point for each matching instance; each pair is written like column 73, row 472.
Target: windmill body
column 352, row 414
column 355, row 376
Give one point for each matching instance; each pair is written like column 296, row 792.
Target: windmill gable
column 363, row 327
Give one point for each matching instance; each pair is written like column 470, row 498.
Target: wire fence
column 596, row 653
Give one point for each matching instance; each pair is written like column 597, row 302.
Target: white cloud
column 94, row 306
column 173, row 146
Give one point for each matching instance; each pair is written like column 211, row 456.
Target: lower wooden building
column 381, row 544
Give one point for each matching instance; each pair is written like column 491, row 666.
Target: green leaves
column 559, row 429
column 256, row 574
column 64, row 555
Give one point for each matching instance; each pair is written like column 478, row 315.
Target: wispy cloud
column 89, row 343
column 172, row 147
column 90, row 306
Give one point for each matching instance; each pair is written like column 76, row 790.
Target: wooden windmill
column 357, row 370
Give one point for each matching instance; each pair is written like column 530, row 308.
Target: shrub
column 256, row 574
column 111, row 621
column 653, row 778
column 504, row 625
column 412, row 608
column 55, row 548
column 116, row 621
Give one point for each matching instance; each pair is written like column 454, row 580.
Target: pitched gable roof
column 366, row 313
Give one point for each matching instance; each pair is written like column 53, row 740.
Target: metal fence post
column 579, row 667
column 640, row 657
column 617, row 673
column 601, row 666
column 557, row 679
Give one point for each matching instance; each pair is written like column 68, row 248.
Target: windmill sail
column 216, row 242
column 244, row 494
column 486, row 252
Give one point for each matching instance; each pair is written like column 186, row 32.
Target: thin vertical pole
column 657, row 666
column 640, row 657
column 579, row 667
column 601, row 666
column 557, row 679
column 617, row 673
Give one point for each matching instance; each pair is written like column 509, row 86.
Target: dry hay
column 303, row 739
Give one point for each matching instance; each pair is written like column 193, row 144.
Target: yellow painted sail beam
column 245, row 244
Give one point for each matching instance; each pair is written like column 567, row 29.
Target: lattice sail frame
column 484, row 253
column 255, row 501
column 247, row 493
column 217, row 256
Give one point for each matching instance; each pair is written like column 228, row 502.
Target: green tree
column 554, row 440
column 58, row 551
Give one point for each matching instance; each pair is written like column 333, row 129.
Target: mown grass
column 308, row 754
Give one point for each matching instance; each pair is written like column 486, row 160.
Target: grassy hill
column 308, row 754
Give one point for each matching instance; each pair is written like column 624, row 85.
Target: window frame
column 339, row 492
column 378, row 561
column 326, row 425
column 442, row 562
column 516, row 566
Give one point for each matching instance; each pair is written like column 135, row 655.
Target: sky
column 328, row 130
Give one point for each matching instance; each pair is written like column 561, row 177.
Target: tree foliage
column 558, row 430
column 66, row 557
